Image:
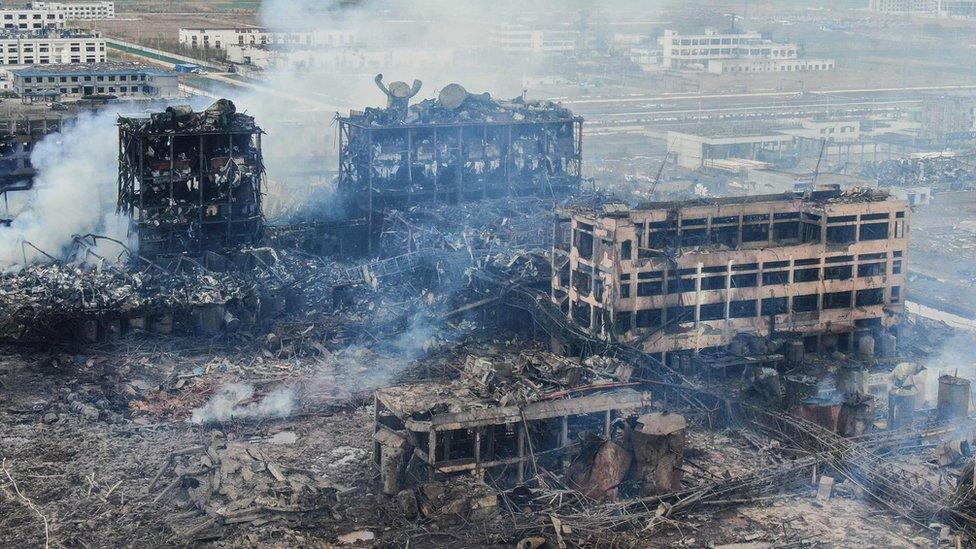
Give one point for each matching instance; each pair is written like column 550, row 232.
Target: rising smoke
column 74, row 191
column 228, row 404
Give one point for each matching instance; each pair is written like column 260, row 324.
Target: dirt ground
column 84, row 434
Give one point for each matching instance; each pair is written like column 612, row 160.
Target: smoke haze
column 74, row 192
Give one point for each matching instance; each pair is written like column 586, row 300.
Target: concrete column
column 520, row 437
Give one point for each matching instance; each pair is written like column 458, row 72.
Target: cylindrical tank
column 855, row 415
column 798, row 388
column 865, row 346
column 954, row 393
column 850, row 379
column 888, row 345
column 795, row 352
column 824, row 411
column 901, row 406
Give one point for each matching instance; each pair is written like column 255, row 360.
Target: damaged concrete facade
column 690, row 276
column 191, row 182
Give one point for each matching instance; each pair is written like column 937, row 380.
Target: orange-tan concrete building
column 689, row 276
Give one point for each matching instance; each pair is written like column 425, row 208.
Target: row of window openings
column 800, row 67
column 9, row 16
column 652, row 318
column 46, row 49
column 582, row 281
column 100, row 89
column 53, row 79
column 43, row 60
column 729, row 236
column 752, row 280
column 75, row 47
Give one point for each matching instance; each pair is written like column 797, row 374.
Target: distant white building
column 31, row 18
column 932, row 8
column 128, row 80
column 735, row 66
column 841, row 130
column 648, row 59
column 685, row 50
column 299, row 58
column 722, row 53
column 517, row 39
column 51, row 46
column 221, row 38
column 80, row 11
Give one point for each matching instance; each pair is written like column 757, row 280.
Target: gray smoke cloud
column 297, row 104
column 74, row 191
column 227, row 405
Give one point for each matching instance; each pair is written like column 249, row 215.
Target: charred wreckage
column 777, row 318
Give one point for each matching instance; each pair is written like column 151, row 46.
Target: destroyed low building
column 460, row 147
column 679, row 277
column 191, row 182
column 505, row 416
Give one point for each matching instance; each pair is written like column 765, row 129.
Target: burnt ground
column 84, row 433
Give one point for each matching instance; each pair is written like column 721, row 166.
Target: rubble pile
column 228, row 483
column 221, row 116
column 458, row 500
column 486, row 225
column 475, row 108
column 57, row 296
column 940, row 173
column 509, row 377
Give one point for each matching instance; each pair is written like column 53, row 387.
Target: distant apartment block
column 221, row 38
column 735, row 66
column 80, row 11
column 933, row 8
column 517, row 39
column 124, row 80
column 51, row 46
column 31, row 18
column 733, row 52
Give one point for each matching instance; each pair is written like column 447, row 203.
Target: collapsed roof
column 454, row 104
column 221, row 117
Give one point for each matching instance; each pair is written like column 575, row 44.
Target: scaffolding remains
column 458, row 148
column 191, row 181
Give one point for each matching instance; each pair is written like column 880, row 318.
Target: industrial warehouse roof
column 82, row 69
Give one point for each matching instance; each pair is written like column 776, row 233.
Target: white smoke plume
column 74, row 192
column 227, row 405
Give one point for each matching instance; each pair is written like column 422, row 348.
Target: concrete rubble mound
column 225, row 484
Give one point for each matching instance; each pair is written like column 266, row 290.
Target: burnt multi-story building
column 19, row 133
column 460, row 147
column 191, row 181
column 689, row 276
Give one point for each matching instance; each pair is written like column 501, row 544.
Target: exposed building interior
column 545, row 276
